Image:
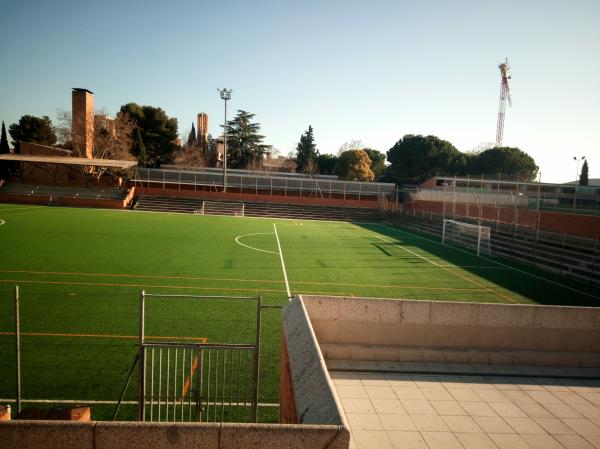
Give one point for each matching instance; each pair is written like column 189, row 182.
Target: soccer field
column 80, row 272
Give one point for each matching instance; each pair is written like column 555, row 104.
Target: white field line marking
column 443, row 267
column 87, row 401
column 494, row 261
column 287, row 285
column 252, row 247
column 2, row 222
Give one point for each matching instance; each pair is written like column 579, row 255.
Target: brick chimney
column 83, row 122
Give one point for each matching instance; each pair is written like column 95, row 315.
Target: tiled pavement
column 418, row 411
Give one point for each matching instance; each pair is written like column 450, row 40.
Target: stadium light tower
column 225, row 95
column 504, row 97
column 577, row 174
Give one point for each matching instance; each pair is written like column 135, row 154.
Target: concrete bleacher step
column 255, row 209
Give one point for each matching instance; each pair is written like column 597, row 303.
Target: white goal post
column 221, row 208
column 472, row 236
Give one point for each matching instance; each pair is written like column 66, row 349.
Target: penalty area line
column 287, row 285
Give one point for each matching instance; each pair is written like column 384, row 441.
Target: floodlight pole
column 575, row 158
column 225, row 95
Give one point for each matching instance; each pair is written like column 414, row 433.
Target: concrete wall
column 316, row 402
column 405, row 330
column 124, row 435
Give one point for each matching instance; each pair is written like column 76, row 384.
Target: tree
column 306, row 152
column 244, row 144
column 415, row 158
column 4, row 148
column 32, row 129
column 326, row 163
column 113, row 138
column 583, row 177
column 139, row 148
column 191, row 140
column 504, row 160
column 354, row 165
column 352, row 145
column 158, row 131
column 377, row 161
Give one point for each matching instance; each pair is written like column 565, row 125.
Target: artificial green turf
column 80, row 272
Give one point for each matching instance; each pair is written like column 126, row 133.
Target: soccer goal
column 221, row 208
column 469, row 235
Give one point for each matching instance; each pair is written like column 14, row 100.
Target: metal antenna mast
column 504, row 97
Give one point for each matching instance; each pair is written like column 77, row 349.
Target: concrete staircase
column 256, row 209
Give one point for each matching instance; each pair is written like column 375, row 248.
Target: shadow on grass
column 537, row 286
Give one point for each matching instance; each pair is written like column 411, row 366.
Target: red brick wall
column 71, row 202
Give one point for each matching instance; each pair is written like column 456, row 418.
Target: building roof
column 112, row 163
column 81, row 89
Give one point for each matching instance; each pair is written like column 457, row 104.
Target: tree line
column 412, row 159
column 149, row 135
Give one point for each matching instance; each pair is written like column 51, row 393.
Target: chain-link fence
column 83, row 349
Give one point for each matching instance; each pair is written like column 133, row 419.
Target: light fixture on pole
column 577, row 170
column 225, row 95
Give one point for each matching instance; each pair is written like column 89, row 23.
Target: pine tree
column 4, row 148
column 139, row 149
column 244, row 144
column 191, row 140
column 306, row 152
column 583, row 177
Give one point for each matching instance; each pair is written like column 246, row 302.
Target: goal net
column 221, row 208
column 469, row 235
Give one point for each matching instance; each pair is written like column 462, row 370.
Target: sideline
column 287, row 285
column 491, row 260
column 110, row 336
column 252, row 247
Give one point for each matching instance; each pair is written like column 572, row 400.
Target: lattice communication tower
column 504, row 98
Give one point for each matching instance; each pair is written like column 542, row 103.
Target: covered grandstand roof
column 111, row 163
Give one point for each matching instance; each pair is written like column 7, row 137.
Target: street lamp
column 225, row 95
column 578, row 161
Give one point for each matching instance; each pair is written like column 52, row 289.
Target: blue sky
column 372, row 71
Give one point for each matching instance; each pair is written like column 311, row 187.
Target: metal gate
column 198, row 382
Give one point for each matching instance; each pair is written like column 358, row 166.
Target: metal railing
column 264, row 184
column 572, row 256
column 198, row 381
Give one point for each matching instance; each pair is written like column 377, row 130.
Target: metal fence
column 572, row 256
column 234, row 384
column 502, row 192
column 263, row 184
column 218, row 362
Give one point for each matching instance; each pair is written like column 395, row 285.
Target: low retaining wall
column 124, row 435
column 276, row 199
column 314, row 397
column 45, row 200
column 455, row 332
